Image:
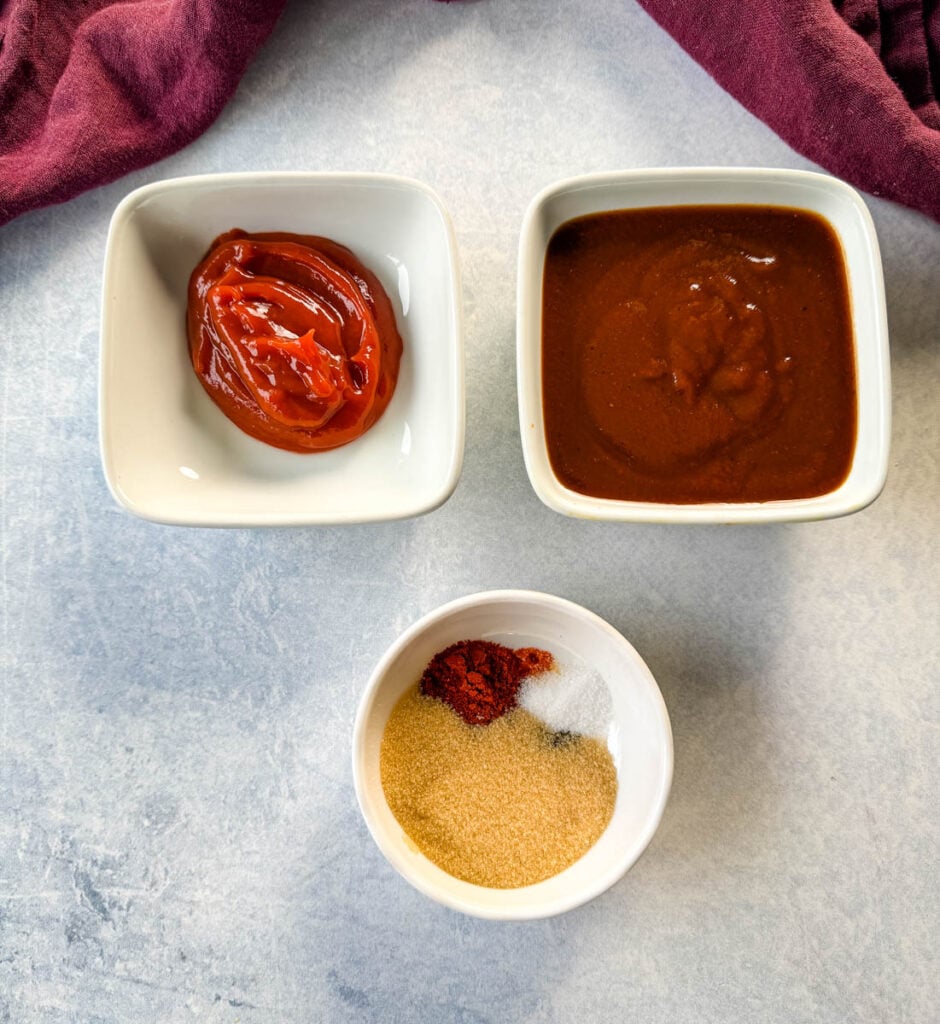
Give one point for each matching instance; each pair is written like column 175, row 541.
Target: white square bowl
column 838, row 203
column 170, row 455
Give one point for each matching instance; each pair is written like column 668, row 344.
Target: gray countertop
column 179, row 838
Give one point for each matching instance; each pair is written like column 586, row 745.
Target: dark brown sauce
column 698, row 354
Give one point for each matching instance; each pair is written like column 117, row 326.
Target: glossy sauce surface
column 698, row 354
column 293, row 338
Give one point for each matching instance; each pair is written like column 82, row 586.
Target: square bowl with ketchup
column 281, row 349
column 703, row 345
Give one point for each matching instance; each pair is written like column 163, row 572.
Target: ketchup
column 292, row 338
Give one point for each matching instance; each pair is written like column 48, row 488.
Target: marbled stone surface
column 179, row 839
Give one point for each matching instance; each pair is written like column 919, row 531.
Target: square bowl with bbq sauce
column 281, row 349
column 703, row 345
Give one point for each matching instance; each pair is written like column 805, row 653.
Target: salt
column 571, row 698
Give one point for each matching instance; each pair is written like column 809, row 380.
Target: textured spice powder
column 503, row 805
column 479, row 679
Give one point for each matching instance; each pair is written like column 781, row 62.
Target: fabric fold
column 91, row 91
column 852, row 86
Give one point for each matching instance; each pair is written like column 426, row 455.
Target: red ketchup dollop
column 292, row 338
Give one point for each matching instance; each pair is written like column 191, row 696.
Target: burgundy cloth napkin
column 852, row 84
column 92, row 89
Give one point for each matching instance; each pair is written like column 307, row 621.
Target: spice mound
column 501, row 801
column 480, row 679
column 292, row 338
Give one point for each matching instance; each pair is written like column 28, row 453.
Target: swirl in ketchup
column 292, row 338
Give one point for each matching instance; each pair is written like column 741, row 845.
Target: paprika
column 479, row 679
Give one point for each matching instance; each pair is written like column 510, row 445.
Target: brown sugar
column 502, row 805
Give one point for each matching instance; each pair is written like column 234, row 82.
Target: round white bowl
column 639, row 739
